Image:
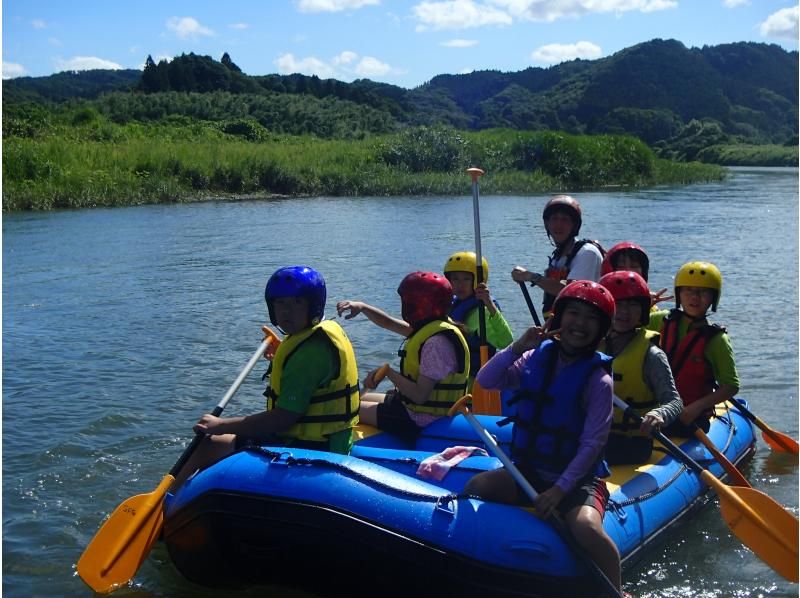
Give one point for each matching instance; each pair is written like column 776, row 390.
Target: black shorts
column 243, row 443
column 393, row 417
column 628, row 450
column 591, row 491
column 678, row 428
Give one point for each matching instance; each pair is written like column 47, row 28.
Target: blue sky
column 404, row 43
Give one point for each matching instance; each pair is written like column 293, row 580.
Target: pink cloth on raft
column 436, row 467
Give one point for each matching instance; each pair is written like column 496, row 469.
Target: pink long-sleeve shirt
column 503, row 371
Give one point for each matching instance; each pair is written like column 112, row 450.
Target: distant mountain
column 740, row 92
column 69, row 85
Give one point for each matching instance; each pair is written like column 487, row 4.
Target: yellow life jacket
column 629, row 384
column 333, row 407
column 449, row 389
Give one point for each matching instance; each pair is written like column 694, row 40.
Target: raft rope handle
column 291, row 460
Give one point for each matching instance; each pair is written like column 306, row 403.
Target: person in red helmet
column 642, row 376
column 563, row 416
column 434, row 359
column 572, row 259
column 630, row 257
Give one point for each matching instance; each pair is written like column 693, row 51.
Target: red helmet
column 629, row 285
column 564, row 203
column 589, row 292
column 425, row 295
column 610, row 260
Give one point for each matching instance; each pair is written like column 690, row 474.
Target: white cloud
column 556, row 53
column 459, row 43
column 86, row 63
column 457, row 14
column 38, row 24
column 239, row 26
column 463, row 14
column 288, row 64
column 372, row 67
column 734, row 3
column 345, row 66
column 333, row 5
column 12, row 69
column 552, row 10
column 345, row 57
column 782, row 24
column 54, row 41
column 187, row 27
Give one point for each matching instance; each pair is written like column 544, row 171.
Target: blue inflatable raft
column 367, row 524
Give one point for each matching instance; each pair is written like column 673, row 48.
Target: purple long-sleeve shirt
column 503, row 372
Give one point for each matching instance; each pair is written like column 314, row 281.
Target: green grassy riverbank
column 94, row 162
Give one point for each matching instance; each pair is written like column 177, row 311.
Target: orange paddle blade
column 123, row 542
column 763, row 525
column 779, row 441
column 485, row 402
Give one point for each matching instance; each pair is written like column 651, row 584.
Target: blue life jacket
column 549, row 418
column 459, row 312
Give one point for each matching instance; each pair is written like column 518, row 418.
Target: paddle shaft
column 557, row 523
column 531, row 308
column 735, row 475
column 476, row 217
column 161, row 490
column 222, row 404
column 783, row 441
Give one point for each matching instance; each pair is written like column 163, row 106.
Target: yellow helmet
column 699, row 274
column 466, row 261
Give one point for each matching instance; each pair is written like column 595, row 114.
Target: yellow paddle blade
column 123, row 542
column 485, row 402
column 763, row 525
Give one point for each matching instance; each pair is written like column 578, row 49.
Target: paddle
column 736, row 477
column 764, row 526
column 461, row 407
column 531, row 308
column 484, row 401
column 120, row 546
column 777, row 440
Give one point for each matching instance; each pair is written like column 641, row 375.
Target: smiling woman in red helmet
column 572, row 259
column 434, row 359
column 562, row 419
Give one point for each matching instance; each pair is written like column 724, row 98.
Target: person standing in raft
column 631, row 257
column 700, row 354
column 313, row 395
column 641, row 372
column 462, row 272
column 572, row 259
column 434, row 358
column 562, row 421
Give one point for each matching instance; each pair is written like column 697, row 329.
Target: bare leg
column 373, row 397
column 211, row 450
column 586, row 526
column 496, row 485
column 368, row 412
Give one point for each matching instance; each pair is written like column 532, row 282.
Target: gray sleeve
column 658, row 376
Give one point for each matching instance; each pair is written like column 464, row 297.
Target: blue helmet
column 297, row 281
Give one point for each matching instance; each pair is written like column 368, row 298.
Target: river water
column 122, row 326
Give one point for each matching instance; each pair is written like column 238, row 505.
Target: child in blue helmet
column 313, row 395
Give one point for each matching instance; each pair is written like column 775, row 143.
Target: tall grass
column 99, row 163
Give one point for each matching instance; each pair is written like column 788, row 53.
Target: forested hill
column 660, row 91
